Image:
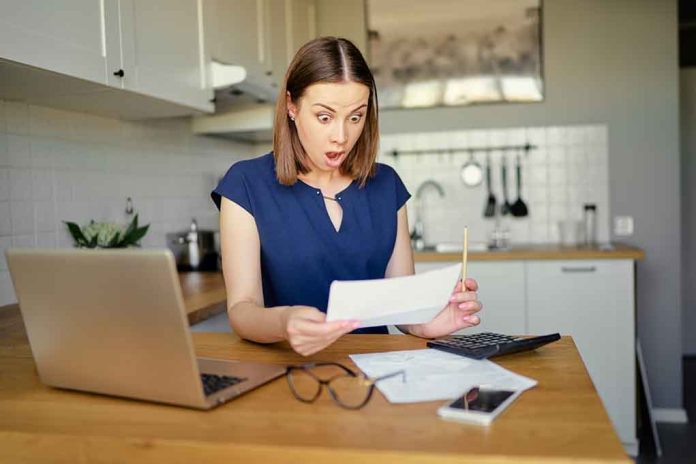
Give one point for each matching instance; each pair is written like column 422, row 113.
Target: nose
column 339, row 134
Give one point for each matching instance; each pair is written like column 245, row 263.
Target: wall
column 59, row 165
column 610, row 63
column 687, row 78
column 567, row 168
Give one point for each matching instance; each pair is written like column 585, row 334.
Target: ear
column 292, row 108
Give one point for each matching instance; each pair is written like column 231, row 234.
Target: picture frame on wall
column 455, row 52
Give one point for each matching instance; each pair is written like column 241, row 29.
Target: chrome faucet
column 418, row 234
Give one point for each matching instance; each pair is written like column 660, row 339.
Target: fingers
column 308, row 332
column 471, row 284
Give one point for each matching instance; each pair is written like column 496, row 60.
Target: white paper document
column 412, row 299
column 435, row 375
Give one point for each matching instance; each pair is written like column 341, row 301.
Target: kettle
column 195, row 249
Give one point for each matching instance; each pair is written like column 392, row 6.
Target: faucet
column 418, row 234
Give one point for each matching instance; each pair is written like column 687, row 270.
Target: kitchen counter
column 536, row 252
column 204, row 294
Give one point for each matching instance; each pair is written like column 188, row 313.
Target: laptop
column 114, row 322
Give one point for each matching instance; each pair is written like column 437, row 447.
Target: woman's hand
column 308, row 332
column 459, row 313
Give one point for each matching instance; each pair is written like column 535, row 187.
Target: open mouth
column 333, row 158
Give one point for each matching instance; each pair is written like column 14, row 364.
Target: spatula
column 489, row 210
column 519, row 208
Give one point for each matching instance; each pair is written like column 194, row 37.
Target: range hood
column 251, row 122
column 243, row 111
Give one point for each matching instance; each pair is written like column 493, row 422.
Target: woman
column 317, row 209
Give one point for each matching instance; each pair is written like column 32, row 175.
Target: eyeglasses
column 348, row 389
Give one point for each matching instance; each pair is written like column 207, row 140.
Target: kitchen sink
column 451, row 247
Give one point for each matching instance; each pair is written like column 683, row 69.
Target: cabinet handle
column 119, row 73
column 578, row 269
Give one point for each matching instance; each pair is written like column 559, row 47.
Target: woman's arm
column 241, row 267
column 303, row 326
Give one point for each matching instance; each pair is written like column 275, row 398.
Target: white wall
column 687, row 78
column 60, row 165
column 568, row 168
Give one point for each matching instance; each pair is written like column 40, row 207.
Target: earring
column 292, row 118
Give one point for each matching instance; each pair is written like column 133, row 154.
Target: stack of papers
column 435, row 375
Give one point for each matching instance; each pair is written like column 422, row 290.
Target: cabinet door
column 594, row 302
column 66, row 37
column 501, row 291
column 241, row 28
column 163, row 51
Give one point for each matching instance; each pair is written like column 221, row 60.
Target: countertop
column 535, row 251
column 204, row 294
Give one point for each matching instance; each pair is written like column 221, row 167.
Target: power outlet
column 623, row 226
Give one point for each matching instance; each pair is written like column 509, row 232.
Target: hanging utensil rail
column 440, row 151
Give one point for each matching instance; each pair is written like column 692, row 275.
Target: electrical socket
column 623, row 226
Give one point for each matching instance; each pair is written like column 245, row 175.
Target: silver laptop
column 114, row 322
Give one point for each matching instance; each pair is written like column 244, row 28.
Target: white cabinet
column 66, row 37
column 241, row 34
column 164, row 52
column 151, row 48
column 501, row 290
column 261, row 35
column 593, row 301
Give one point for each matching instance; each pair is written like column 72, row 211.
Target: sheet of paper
column 400, row 300
column 435, row 375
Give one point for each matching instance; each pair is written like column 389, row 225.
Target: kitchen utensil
column 489, row 210
column 519, row 208
column 505, row 207
column 471, row 172
column 195, row 249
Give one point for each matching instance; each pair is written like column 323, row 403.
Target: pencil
column 464, row 253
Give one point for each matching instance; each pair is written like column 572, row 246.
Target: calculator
column 487, row 344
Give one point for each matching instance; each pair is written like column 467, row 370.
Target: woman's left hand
column 459, row 313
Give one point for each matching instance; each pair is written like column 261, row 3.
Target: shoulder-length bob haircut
column 325, row 59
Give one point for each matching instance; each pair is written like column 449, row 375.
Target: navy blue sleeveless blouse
column 301, row 251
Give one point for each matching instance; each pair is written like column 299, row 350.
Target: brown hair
column 324, row 59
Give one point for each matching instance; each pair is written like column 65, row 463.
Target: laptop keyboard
column 213, row 383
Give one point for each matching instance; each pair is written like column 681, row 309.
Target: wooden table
column 560, row 420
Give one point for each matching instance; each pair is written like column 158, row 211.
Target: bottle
column 590, row 217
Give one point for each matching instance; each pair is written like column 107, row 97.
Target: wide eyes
column 325, row 118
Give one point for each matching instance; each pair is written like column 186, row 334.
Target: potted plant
column 107, row 234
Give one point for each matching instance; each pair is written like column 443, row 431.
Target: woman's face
column 330, row 118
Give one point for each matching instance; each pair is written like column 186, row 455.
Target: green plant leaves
column 76, row 233
column 121, row 239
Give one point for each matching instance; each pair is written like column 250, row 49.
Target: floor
column 678, row 440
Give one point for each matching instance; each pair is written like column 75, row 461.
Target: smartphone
column 478, row 405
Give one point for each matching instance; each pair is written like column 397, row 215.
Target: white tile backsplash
column 60, row 166
column 568, row 167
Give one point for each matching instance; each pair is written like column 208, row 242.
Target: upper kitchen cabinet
column 131, row 59
column 260, row 35
column 67, row 37
column 163, row 49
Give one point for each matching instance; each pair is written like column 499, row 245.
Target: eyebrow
column 331, row 109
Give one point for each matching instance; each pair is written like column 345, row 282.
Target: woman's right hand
column 308, row 332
